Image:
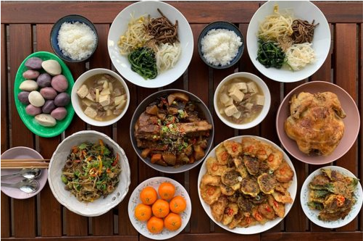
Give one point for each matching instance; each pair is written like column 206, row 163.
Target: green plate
column 28, row 120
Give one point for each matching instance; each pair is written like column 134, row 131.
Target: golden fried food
column 254, row 181
column 315, row 122
column 210, row 194
column 332, row 194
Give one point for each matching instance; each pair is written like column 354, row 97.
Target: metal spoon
column 26, row 173
column 27, row 185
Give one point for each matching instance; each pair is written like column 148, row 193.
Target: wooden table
column 25, row 28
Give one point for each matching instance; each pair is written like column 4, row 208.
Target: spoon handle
column 10, row 175
column 15, row 185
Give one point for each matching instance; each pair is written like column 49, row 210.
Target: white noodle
column 300, row 55
column 167, row 56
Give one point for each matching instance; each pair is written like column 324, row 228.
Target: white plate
column 135, row 200
column 66, row 198
column 119, row 27
column 256, row 228
column 313, row 214
column 321, row 43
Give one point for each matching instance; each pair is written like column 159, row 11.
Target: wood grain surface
column 25, row 28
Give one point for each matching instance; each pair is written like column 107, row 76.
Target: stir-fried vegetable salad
column 91, row 171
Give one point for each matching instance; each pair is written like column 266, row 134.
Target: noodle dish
column 150, row 44
column 288, row 41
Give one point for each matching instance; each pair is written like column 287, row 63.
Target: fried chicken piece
column 315, row 122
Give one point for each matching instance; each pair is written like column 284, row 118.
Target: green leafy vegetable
column 143, row 62
column 270, row 55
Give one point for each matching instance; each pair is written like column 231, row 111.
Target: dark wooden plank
column 5, row 200
column 123, row 139
column 360, row 95
column 102, row 225
column 20, row 48
column 198, row 84
column 345, row 76
column 195, row 12
column 212, row 237
column 351, row 12
column 51, row 225
column 331, row 236
column 79, row 238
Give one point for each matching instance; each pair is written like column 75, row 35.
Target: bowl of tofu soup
column 100, row 97
column 242, row 100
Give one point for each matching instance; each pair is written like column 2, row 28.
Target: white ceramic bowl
column 266, row 106
column 135, row 200
column 119, row 26
column 75, row 98
column 64, row 197
column 259, row 228
column 313, row 214
column 305, row 10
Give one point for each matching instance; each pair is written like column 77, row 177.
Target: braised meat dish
column 172, row 131
column 332, row 194
column 246, row 183
column 316, row 122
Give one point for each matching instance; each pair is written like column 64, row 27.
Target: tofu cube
column 89, row 97
column 260, row 100
column 237, row 115
column 105, row 91
column 241, row 86
column 252, row 87
column 104, row 100
column 118, row 100
column 232, row 88
column 249, row 106
column 230, row 110
column 89, row 111
column 237, row 95
column 83, row 91
column 229, row 102
column 224, row 98
column 87, row 102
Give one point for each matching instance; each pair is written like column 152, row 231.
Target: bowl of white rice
column 220, row 45
column 74, row 38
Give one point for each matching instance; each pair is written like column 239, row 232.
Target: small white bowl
column 64, row 197
column 76, row 103
column 266, row 106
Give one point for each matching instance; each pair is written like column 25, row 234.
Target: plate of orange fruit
column 159, row 208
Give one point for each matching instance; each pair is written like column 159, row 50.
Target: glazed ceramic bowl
column 65, row 197
column 221, row 25
column 76, row 102
column 265, row 108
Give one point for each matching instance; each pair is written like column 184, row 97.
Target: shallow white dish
column 75, row 98
column 21, row 152
column 313, row 214
column 66, row 198
column 305, row 10
column 119, row 27
column 266, row 106
column 256, row 228
column 135, row 200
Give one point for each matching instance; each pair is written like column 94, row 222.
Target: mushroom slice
column 266, row 183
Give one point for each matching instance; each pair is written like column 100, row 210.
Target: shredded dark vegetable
column 143, row 62
column 270, row 54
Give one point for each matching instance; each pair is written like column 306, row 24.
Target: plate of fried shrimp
column 288, row 41
column 150, row 44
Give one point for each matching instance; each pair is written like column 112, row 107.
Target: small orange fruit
column 142, row 212
column 160, row 208
column 155, row 225
column 172, row 222
column 166, row 190
column 178, row 204
column 148, row 195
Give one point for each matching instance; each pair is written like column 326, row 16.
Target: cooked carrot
column 155, row 158
column 145, row 153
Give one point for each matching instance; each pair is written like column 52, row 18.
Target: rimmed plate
column 119, row 27
column 21, row 152
column 351, row 122
column 28, row 120
column 256, row 228
column 313, row 214
column 304, row 10
column 135, row 200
